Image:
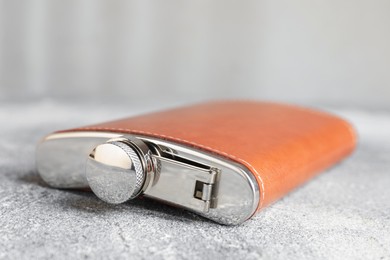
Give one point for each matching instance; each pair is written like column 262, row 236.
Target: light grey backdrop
column 59, row 53
column 326, row 51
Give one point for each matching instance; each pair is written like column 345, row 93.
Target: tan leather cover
column 282, row 145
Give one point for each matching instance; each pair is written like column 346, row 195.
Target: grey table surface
column 343, row 213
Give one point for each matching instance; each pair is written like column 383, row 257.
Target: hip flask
column 224, row 160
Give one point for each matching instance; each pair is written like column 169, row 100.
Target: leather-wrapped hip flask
column 224, row 160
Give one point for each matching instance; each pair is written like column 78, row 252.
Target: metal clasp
column 185, row 182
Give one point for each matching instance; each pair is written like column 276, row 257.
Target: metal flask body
column 224, row 160
column 119, row 167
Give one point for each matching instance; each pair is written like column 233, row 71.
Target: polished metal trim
column 61, row 162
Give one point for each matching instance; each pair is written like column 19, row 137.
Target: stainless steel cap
column 116, row 171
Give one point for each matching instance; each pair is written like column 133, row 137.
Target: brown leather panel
column 282, row 145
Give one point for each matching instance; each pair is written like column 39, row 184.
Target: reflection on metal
column 115, row 170
column 179, row 184
column 120, row 167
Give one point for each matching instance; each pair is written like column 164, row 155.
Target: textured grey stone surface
column 341, row 214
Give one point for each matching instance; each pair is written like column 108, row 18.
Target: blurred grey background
column 59, row 58
column 323, row 51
